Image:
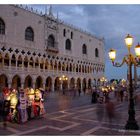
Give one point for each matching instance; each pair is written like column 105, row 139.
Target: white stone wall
column 80, row 38
column 18, row 19
column 16, row 25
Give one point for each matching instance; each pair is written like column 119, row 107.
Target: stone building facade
column 37, row 49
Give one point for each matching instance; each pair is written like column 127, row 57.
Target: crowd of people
column 105, row 102
column 21, row 106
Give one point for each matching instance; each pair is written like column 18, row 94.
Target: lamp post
column 63, row 78
column 129, row 60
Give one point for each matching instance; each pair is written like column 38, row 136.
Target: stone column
column 9, row 62
column 81, row 86
column 33, row 82
column 75, row 84
column 57, row 68
column 22, row 85
column 9, row 82
column 2, row 62
column 39, row 67
column 44, row 86
column 61, row 68
column 22, row 64
column 33, row 85
column 44, row 67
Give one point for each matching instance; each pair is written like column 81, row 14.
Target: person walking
column 121, row 95
column 110, row 110
column 94, row 96
column 79, row 91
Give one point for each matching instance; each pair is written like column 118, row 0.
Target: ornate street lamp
column 129, row 60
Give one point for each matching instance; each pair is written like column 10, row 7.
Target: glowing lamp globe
column 137, row 50
column 128, row 40
column 112, row 54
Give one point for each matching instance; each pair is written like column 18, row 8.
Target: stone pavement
column 74, row 116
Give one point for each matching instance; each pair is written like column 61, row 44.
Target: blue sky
column 113, row 22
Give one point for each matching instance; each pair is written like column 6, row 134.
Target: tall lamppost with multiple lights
column 63, row 79
column 130, row 60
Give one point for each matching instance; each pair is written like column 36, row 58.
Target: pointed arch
column 6, row 59
column 68, row 44
column 84, row 49
column 59, row 66
column 28, row 82
column 51, row 41
column 48, row 85
column 55, row 65
column 3, row 81
column 1, row 59
column 79, row 83
column 13, row 60
column 39, row 82
column 19, row 61
column 46, row 64
column 36, row 62
column 57, row 84
column 89, row 83
column 72, row 83
column 70, row 67
column 29, row 34
column 16, row 82
column 96, row 52
column 31, row 62
column 2, row 26
column 26, row 62
column 41, row 63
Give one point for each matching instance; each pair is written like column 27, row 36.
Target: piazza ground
column 68, row 115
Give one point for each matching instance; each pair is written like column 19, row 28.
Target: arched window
column 51, row 41
column 2, row 27
column 84, row 49
column 96, row 53
column 29, row 34
column 64, row 32
column 68, row 44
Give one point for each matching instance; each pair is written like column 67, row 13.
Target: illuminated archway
column 3, row 81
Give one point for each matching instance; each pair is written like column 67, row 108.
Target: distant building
column 36, row 50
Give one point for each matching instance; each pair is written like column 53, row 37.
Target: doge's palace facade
column 37, row 49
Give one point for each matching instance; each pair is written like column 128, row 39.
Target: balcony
column 52, row 48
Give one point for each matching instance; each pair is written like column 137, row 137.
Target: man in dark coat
column 94, row 96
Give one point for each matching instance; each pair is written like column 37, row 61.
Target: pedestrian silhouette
column 110, row 110
column 94, row 96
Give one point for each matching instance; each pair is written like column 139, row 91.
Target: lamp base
column 131, row 125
